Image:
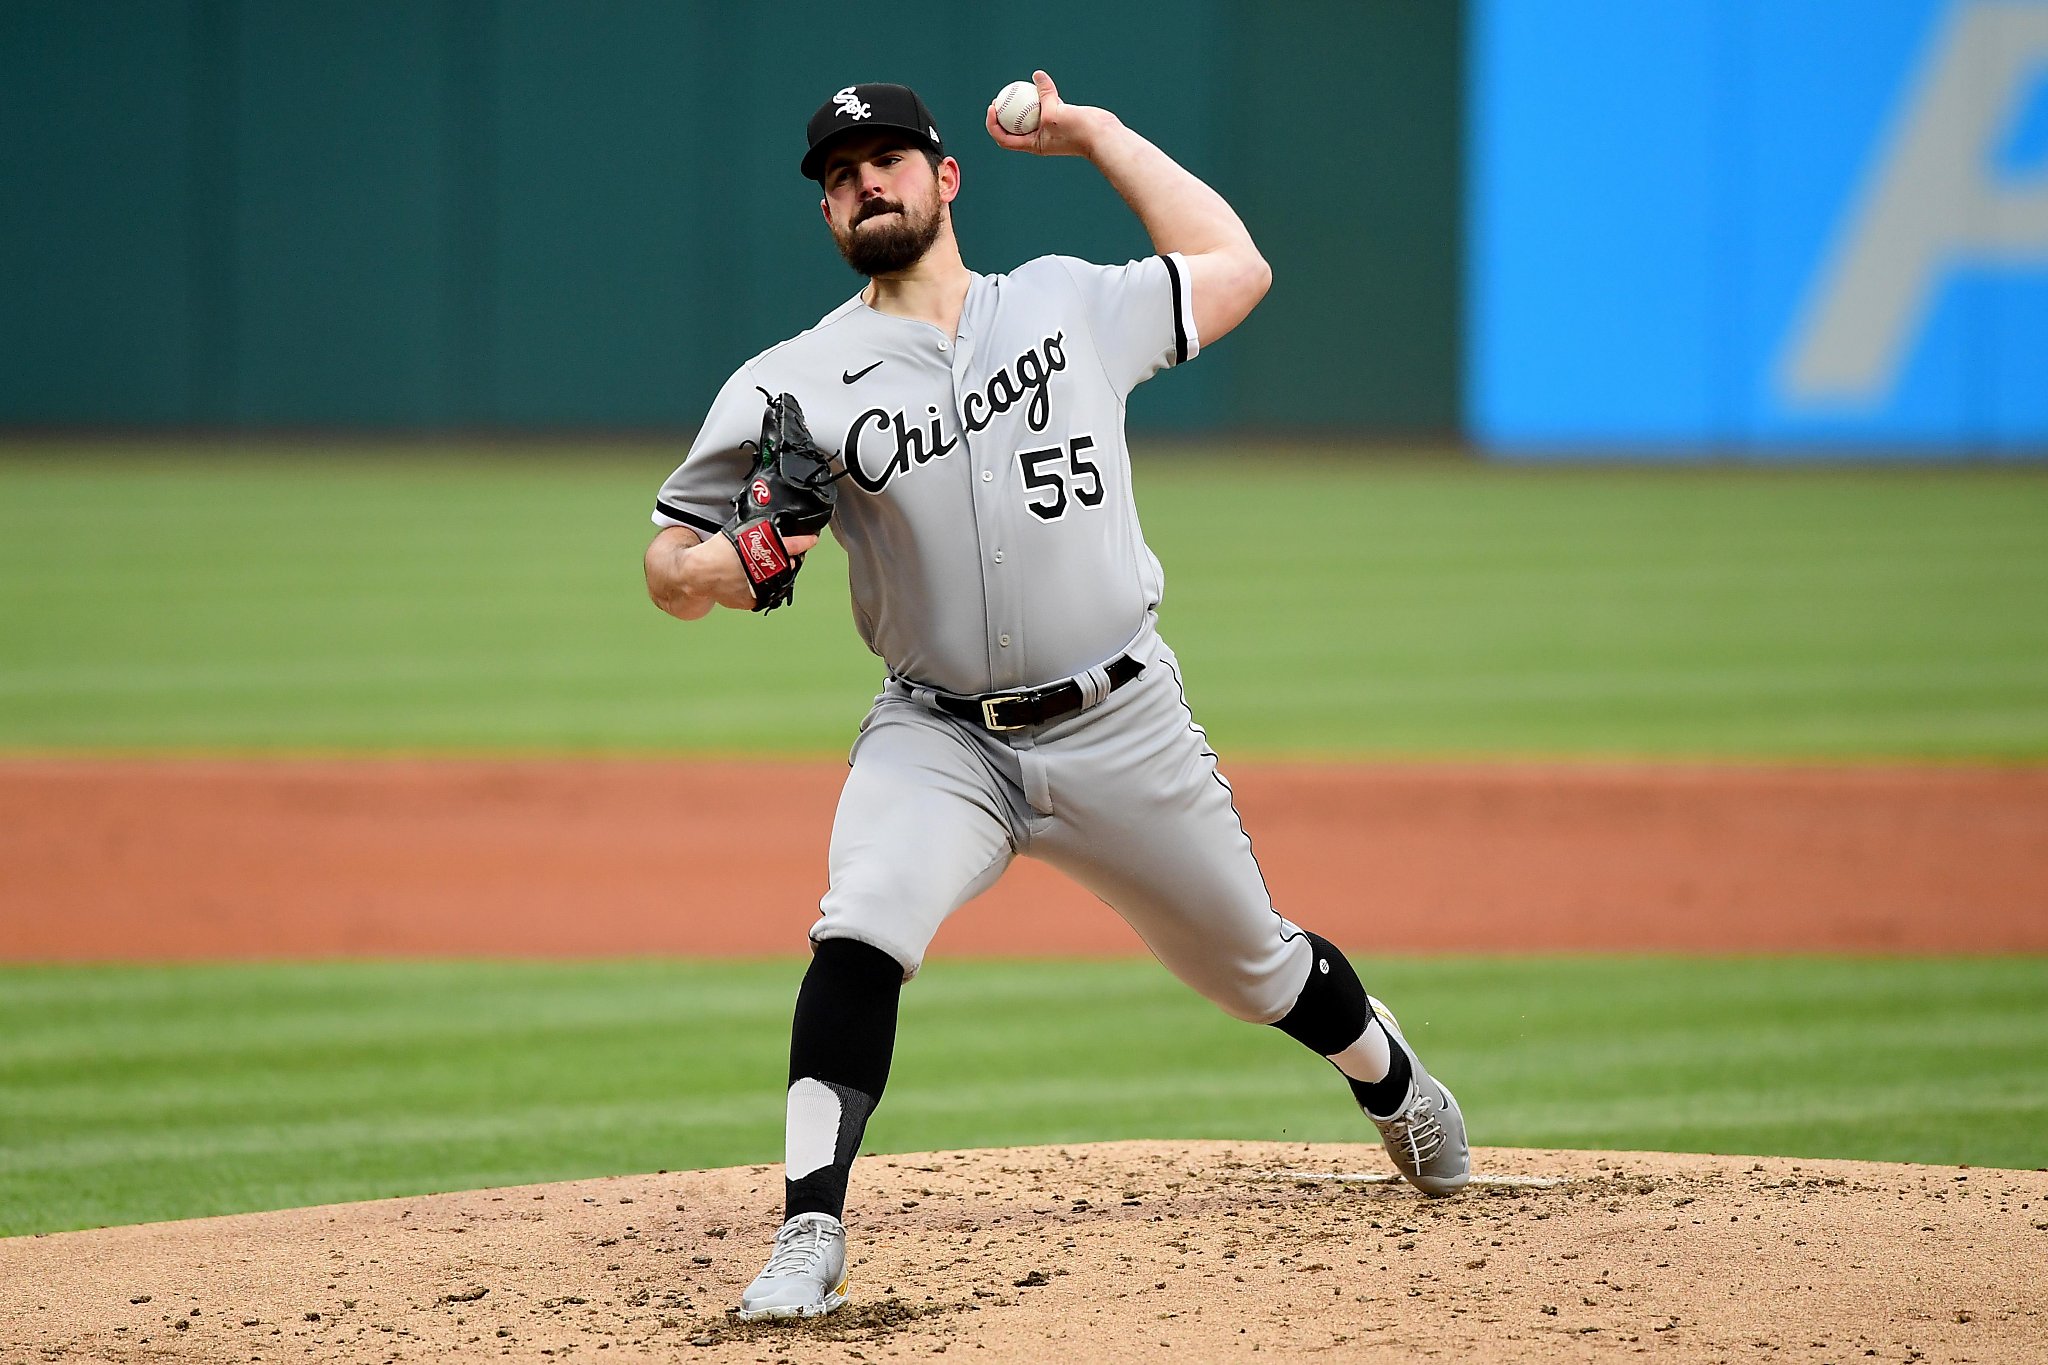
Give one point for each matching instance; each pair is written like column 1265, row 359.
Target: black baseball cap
column 863, row 108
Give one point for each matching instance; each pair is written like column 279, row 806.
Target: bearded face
column 887, row 236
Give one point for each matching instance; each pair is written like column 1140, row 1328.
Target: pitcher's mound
column 1119, row 1251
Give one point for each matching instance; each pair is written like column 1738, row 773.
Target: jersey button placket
column 998, row 593
column 987, row 510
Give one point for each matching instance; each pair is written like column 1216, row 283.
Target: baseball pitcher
column 963, row 436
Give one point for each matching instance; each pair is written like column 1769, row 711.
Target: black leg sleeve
column 1332, row 1013
column 843, row 1036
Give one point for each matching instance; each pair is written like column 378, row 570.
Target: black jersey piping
column 1216, row 775
column 689, row 519
column 1180, row 332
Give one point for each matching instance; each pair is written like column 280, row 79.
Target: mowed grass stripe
column 1643, row 594
column 470, row 600
column 138, row 1093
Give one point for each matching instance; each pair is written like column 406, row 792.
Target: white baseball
column 1017, row 108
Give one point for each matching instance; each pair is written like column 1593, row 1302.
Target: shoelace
column 1422, row 1132
column 797, row 1249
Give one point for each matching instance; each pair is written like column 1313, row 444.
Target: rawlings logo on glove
column 789, row 492
column 761, row 550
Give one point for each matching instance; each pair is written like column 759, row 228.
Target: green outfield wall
column 405, row 214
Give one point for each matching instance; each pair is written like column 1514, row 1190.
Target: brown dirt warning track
column 172, row 860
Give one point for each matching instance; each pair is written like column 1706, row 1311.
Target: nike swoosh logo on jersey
column 851, row 375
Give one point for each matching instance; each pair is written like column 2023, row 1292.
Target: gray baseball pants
column 1125, row 798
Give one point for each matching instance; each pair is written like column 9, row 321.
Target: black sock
column 1332, row 1013
column 1384, row 1096
column 841, row 1039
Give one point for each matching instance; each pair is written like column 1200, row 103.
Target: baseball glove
column 788, row 493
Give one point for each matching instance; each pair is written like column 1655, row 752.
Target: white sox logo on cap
column 865, row 107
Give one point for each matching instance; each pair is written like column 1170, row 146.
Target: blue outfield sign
column 1752, row 226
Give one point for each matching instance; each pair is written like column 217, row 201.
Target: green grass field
column 143, row 1093
column 446, row 601
column 428, row 600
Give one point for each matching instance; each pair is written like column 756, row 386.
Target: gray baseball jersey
column 987, row 516
column 993, row 544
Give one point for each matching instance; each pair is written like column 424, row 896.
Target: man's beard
column 895, row 243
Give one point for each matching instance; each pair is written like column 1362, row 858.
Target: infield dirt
column 213, row 859
column 1124, row 1251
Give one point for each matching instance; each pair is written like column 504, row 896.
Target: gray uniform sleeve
column 1142, row 315
column 700, row 493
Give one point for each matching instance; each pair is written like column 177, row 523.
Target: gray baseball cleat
column 1426, row 1135
column 806, row 1273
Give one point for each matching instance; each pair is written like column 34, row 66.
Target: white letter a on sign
column 1931, row 204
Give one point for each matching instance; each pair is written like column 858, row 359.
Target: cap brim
column 814, row 160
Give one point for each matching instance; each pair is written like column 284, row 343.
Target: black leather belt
column 1000, row 711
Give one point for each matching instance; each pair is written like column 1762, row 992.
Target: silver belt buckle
column 988, row 714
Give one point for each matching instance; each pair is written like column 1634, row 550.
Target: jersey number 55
column 1079, row 472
